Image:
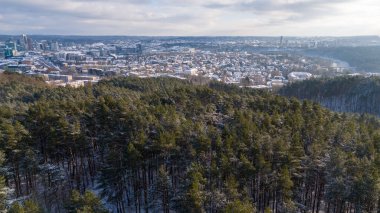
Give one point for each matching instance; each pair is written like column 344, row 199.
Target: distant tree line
column 363, row 58
column 342, row 94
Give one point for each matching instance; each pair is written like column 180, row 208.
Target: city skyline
column 191, row 18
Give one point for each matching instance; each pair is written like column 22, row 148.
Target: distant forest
column 342, row 94
column 166, row 145
column 364, row 59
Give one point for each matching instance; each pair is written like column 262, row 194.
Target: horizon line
column 195, row 36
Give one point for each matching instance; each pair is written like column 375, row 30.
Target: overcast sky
column 191, row 17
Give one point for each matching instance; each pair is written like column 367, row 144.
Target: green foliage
column 342, row 94
column 32, row 207
column 3, row 191
column 3, row 194
column 28, row 206
column 16, row 208
column 86, row 203
column 167, row 145
column 195, row 194
column 238, row 206
column 363, row 58
column 15, row 88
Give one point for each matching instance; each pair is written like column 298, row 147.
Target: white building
column 192, row 71
column 299, row 76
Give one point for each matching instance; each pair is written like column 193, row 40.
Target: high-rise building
column 24, row 38
column 44, row 45
column 24, row 41
column 139, row 49
column 8, row 52
column 11, row 44
column 29, row 45
column 2, row 50
column 54, row 46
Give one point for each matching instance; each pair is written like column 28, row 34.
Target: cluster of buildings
column 248, row 62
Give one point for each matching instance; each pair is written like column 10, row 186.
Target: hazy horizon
column 294, row 18
column 192, row 36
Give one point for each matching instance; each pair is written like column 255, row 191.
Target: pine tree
column 32, row 207
column 84, row 203
column 160, row 194
column 238, row 206
column 16, row 208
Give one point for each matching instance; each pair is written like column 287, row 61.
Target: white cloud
column 190, row 17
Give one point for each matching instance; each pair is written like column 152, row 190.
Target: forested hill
column 17, row 88
column 343, row 94
column 363, row 58
column 164, row 145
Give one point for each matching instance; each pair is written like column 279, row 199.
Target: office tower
column 24, row 41
column 29, row 44
column 139, row 49
column 54, row 46
column 24, row 38
column 8, row 52
column 10, row 49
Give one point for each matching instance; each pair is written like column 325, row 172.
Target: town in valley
column 256, row 62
